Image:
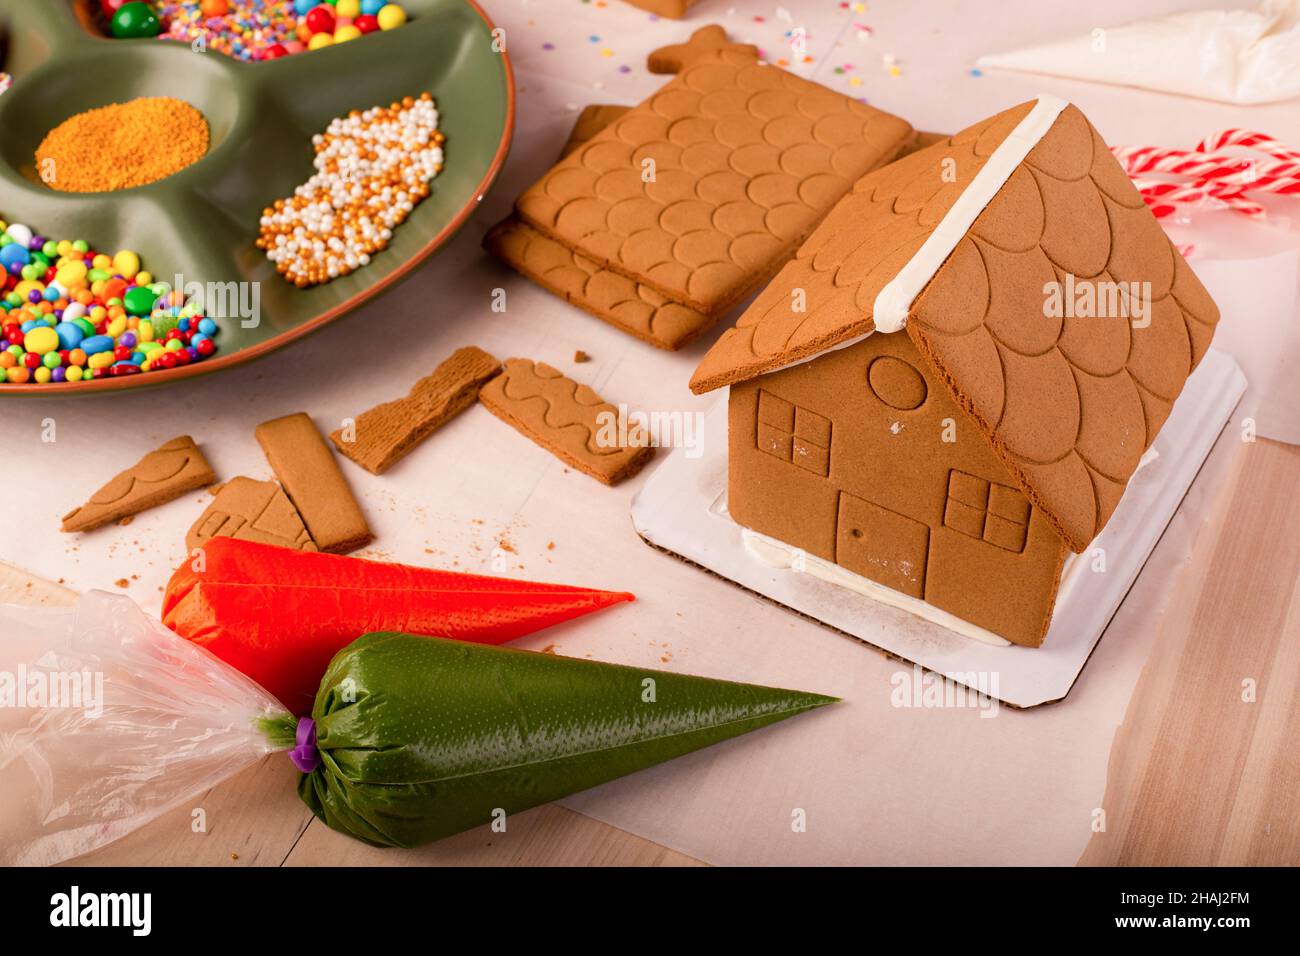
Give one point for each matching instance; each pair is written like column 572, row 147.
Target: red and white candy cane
column 1212, row 175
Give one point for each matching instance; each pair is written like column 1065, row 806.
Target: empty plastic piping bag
column 115, row 720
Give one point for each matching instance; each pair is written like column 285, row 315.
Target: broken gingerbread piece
column 569, row 420
column 386, row 433
column 251, row 510
column 311, row 478
column 166, row 473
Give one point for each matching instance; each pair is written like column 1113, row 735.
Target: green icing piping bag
column 410, row 738
column 418, row 738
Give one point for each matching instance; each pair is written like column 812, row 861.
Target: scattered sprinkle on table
column 372, row 169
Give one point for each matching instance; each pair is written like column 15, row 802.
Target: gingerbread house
column 948, row 389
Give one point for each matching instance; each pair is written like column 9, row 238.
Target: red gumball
column 110, row 7
column 275, row 51
column 121, row 353
column 321, row 19
column 366, row 23
column 32, row 360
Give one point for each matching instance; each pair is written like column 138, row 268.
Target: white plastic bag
column 1234, row 56
column 108, row 720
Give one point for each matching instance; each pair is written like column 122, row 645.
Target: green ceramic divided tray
column 202, row 222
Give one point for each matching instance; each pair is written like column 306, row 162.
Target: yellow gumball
column 127, row 264
column 101, row 261
column 42, row 375
column 74, row 374
column 320, row 40
column 145, row 331
column 391, row 16
column 344, row 34
column 348, row 8
column 71, row 274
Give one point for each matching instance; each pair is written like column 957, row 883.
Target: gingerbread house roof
column 957, row 243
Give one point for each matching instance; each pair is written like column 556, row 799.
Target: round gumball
column 366, row 23
column 320, row 19
column 135, row 20
column 391, row 16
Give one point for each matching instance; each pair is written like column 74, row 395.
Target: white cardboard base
column 682, row 509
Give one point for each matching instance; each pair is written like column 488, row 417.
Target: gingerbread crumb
column 122, row 583
column 549, row 649
column 580, row 356
column 126, row 521
column 550, row 546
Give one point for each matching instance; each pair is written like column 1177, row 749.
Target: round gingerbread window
column 896, row 383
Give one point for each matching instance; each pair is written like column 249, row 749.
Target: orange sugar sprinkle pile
column 122, row 146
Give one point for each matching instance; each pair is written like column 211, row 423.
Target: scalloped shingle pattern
column 631, row 306
column 746, row 160
column 1069, row 405
column 849, row 258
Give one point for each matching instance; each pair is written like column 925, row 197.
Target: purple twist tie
column 305, row 756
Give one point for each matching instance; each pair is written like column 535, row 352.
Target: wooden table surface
column 1204, row 770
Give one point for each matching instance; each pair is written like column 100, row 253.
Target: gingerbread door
column 881, row 545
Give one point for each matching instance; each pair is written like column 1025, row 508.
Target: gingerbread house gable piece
column 1068, row 402
column 704, row 189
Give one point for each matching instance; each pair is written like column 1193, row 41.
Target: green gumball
column 134, row 21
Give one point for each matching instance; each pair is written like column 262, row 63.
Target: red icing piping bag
column 280, row 615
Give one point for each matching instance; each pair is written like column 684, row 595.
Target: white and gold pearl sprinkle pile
column 372, row 168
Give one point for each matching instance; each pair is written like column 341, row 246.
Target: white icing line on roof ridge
column 894, row 301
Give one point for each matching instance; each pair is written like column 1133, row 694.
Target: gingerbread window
column 794, row 434
column 983, row 509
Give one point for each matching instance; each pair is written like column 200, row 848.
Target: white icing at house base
column 778, row 554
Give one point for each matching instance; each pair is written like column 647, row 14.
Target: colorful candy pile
column 69, row 313
column 373, row 168
column 269, row 29
column 337, row 21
